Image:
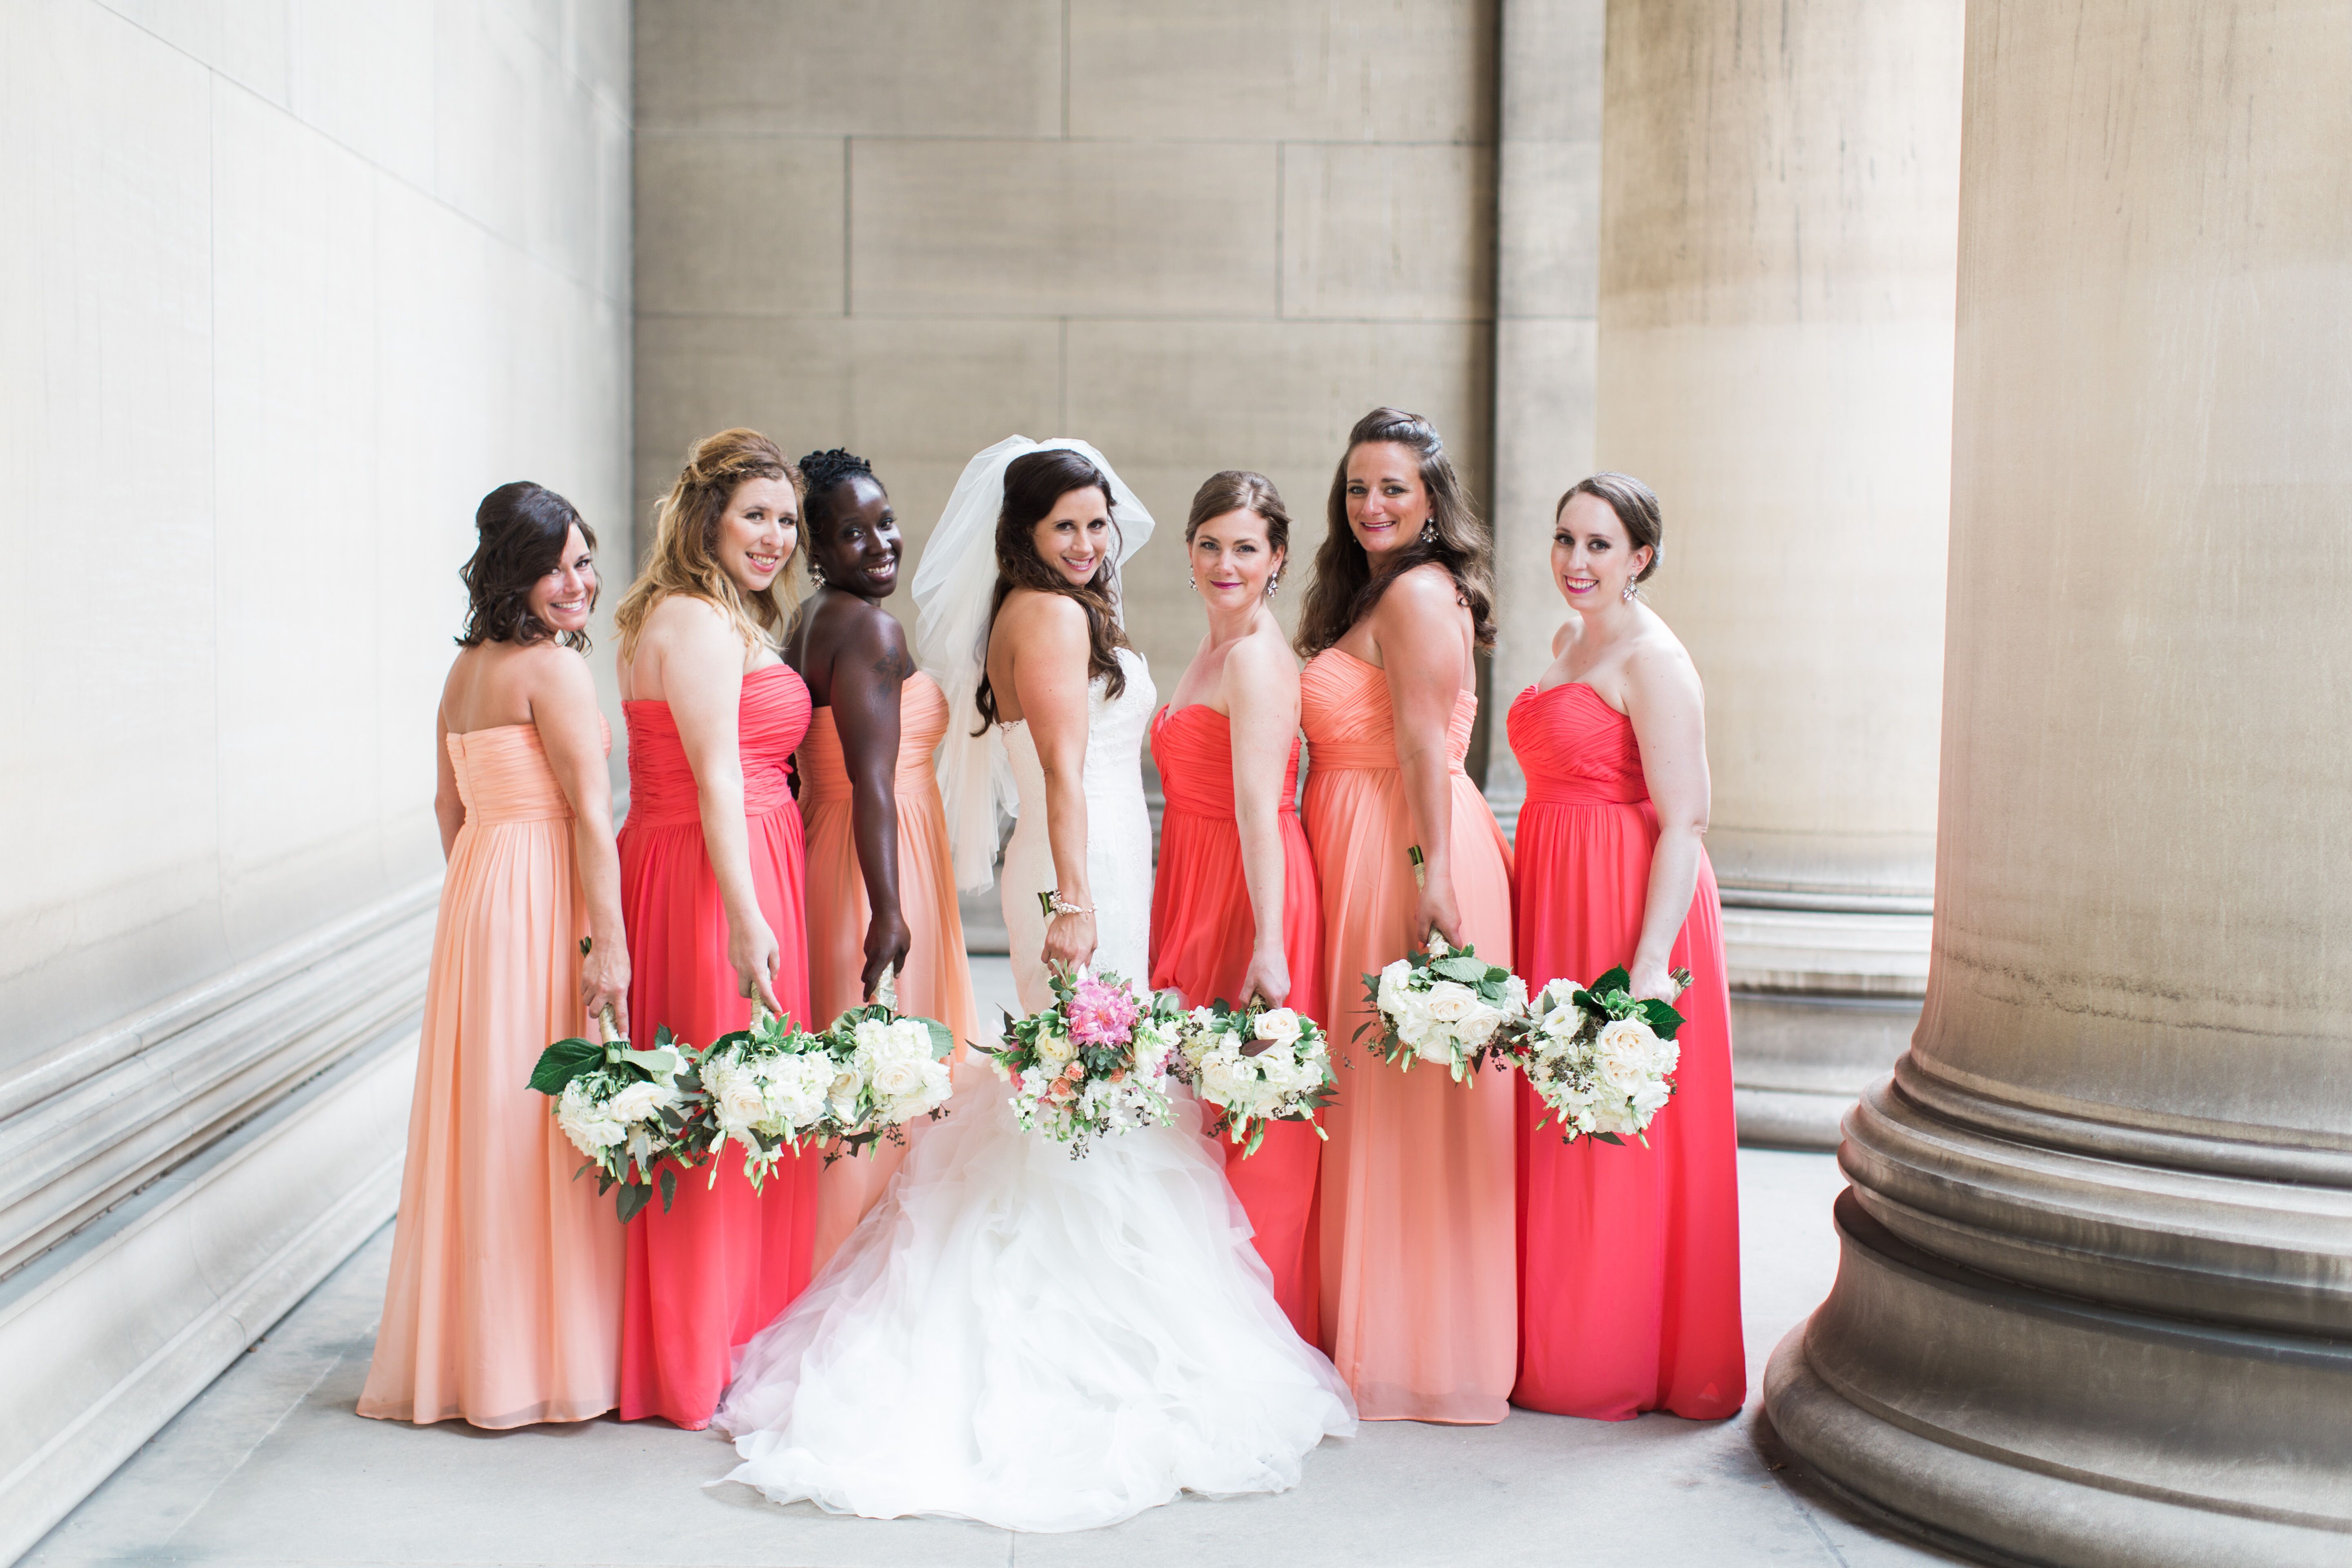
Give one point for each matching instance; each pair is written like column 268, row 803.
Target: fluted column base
column 2018, row 1425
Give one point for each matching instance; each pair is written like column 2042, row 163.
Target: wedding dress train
column 1025, row 1338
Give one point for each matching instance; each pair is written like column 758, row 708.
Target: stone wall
column 289, row 287
column 1204, row 236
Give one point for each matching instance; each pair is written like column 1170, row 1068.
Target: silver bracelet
column 1055, row 904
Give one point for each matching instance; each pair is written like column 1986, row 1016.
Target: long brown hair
column 1345, row 590
column 684, row 558
column 520, row 531
column 1033, row 481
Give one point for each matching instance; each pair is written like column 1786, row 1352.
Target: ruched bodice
column 773, row 716
column 1575, row 748
column 1193, row 746
column 1343, row 706
column 503, row 774
column 923, row 719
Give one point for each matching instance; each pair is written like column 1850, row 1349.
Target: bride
column 1013, row 1335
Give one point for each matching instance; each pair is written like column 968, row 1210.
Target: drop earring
column 817, row 572
column 1273, row 586
column 1195, row 578
column 1429, row 532
column 1632, row 588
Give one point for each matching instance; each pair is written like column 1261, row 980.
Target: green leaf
column 564, row 1061
column 663, row 1038
column 1661, row 1018
column 586, row 945
column 1610, row 1138
column 942, row 1039
column 1615, row 980
column 632, row 1201
column 1468, row 971
column 669, row 1187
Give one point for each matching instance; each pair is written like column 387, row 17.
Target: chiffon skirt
column 1628, row 1256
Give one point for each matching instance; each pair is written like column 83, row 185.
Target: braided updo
column 685, row 556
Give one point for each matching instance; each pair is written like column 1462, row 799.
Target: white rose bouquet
column 1095, row 1062
column 1445, row 1007
column 1602, row 1062
column 1258, row 1065
column 631, row 1113
column 901, row 1063
column 773, row 1088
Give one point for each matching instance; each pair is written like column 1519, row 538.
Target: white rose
column 1514, row 995
column 638, row 1102
column 841, row 1095
column 585, row 1122
column 1626, row 1046
column 1055, row 1049
column 899, row 1078
column 1278, row 1023
column 1224, row 1075
column 736, row 1097
column 1393, row 984
column 1449, row 1003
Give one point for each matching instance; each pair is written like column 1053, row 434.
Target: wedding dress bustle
column 1022, row 1338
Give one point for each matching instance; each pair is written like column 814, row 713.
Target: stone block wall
column 1202, row 237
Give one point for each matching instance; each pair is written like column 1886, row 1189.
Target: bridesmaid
column 881, row 881
column 503, row 1307
column 1235, row 912
column 711, row 884
column 1417, row 1307
column 1629, row 1257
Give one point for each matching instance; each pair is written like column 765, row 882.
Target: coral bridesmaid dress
column 504, row 1303
column 705, row 1277
column 1418, row 1299
column 1629, row 1257
column 936, row 981
column 1202, row 934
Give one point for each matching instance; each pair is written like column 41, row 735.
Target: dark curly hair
column 1345, row 590
column 1032, row 483
column 521, row 530
column 822, row 472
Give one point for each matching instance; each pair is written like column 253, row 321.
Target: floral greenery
column 1093, row 1063
column 775, row 1089
column 1445, row 1006
column 630, row 1111
column 1257, row 1066
column 1600, row 1061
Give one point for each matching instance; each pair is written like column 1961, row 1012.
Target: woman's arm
column 1049, row 675
column 867, row 672
column 448, row 806
column 702, row 677
column 563, row 708
column 1260, row 686
column 1418, row 624
column 1669, row 713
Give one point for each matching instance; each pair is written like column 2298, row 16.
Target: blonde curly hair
column 685, row 556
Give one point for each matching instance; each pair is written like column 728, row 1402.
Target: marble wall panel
column 887, row 67
column 1388, row 233
column 1061, row 229
column 1367, row 70
column 363, row 75
column 742, row 225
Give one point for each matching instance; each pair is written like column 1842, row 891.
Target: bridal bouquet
column 1445, row 1007
column 1602, row 1062
column 628, row 1111
column 1258, row 1065
column 1093, row 1063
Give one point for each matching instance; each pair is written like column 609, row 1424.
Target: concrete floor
column 271, row 1465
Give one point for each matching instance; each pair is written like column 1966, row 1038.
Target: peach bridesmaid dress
column 1202, row 934
column 1419, row 1311
column 936, row 981
column 504, row 1302
column 1629, row 1257
column 706, row 1275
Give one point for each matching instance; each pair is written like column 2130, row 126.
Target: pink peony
column 1100, row 1014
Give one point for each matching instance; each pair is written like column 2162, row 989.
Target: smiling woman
column 712, row 882
column 881, row 878
column 502, row 1307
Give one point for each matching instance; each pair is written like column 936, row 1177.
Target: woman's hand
column 1650, row 980
column 753, row 951
column 1435, row 910
column 1267, row 978
column 886, row 941
column 604, row 983
column 1070, row 940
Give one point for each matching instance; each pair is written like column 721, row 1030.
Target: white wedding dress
column 1025, row 1338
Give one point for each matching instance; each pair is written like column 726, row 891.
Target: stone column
column 1779, row 186
column 2095, row 1306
